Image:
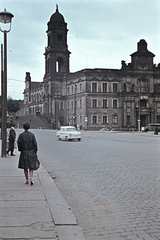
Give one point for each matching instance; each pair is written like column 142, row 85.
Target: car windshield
column 70, row 129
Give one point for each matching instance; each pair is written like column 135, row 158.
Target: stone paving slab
column 33, row 212
column 70, row 233
column 33, row 231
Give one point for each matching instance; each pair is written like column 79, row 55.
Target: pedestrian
column 27, row 145
column 11, row 138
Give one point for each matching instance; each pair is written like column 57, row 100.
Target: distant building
column 93, row 98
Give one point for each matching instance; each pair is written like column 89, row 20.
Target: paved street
column 111, row 181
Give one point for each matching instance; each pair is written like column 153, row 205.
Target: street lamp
column 5, row 27
column 57, row 96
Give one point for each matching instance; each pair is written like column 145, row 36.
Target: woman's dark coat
column 27, row 145
column 12, row 137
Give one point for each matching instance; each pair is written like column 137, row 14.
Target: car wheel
column 79, row 139
column 59, row 138
column 66, row 138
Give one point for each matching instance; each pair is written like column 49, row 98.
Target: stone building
column 125, row 98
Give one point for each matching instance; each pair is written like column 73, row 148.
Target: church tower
column 57, row 58
column 56, row 52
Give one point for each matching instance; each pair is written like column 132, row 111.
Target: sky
column 101, row 34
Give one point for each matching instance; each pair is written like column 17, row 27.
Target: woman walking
column 27, row 145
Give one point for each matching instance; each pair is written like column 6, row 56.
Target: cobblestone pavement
column 111, row 182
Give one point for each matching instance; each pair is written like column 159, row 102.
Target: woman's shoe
column 31, row 181
column 26, row 182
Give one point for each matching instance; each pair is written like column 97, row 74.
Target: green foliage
column 12, row 105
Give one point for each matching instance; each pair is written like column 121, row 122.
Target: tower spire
column 56, row 7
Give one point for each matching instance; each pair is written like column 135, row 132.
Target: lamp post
column 5, row 27
column 57, row 96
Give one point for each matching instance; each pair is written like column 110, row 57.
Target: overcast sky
column 101, row 34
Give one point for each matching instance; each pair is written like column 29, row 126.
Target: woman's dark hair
column 26, row 126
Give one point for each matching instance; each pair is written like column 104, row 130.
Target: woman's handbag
column 37, row 164
column 15, row 144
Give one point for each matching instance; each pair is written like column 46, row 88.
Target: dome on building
column 57, row 17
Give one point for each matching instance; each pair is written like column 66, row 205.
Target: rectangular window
column 128, row 120
column 94, row 87
column 94, row 103
column 114, row 87
column 158, row 119
column 67, row 105
column 144, row 86
column 104, row 87
column 114, row 103
column 72, row 105
column 157, row 88
column 72, row 89
column 68, row 90
column 80, row 104
column 105, row 119
column 105, row 103
column 61, row 105
column 115, row 119
column 94, row 119
column 80, row 87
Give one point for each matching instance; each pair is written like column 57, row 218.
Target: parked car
column 151, row 127
column 68, row 133
column 106, row 129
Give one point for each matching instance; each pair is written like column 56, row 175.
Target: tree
column 12, row 105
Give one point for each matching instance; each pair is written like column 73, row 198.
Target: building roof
column 57, row 17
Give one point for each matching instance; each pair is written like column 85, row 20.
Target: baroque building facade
column 123, row 99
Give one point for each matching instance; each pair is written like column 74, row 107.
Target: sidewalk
column 33, row 212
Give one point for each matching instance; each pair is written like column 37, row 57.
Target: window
column 59, row 65
column 104, row 87
column 72, row 105
column 67, row 105
column 94, row 119
column 61, row 105
column 115, row 103
column 143, row 103
column 75, row 88
column 115, row 119
column 80, row 103
column 128, row 120
column 143, row 85
column 68, row 90
column 94, row 87
column 157, row 88
column 94, row 103
column 114, row 87
column 128, row 87
column 72, row 89
column 105, row 105
column 80, row 87
column 105, row 119
column 158, row 119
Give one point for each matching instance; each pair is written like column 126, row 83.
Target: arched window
column 59, row 65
